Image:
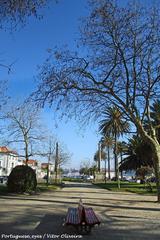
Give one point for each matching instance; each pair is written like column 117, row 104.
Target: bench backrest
column 81, row 211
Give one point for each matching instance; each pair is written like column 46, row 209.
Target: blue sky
column 27, row 48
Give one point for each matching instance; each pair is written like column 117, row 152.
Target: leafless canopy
column 121, row 65
column 23, row 128
column 15, row 12
column 64, row 156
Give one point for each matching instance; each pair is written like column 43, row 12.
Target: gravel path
column 123, row 215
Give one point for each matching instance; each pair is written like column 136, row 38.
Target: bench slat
column 73, row 217
column 91, row 217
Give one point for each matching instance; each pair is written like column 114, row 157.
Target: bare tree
column 55, row 153
column 24, row 129
column 63, row 155
column 48, row 151
column 122, row 67
column 16, row 12
column 61, row 158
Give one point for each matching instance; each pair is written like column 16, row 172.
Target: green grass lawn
column 41, row 187
column 68, row 179
column 129, row 187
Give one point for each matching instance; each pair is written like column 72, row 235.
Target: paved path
column 124, row 216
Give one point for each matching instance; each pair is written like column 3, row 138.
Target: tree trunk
column 99, row 158
column 156, row 154
column 48, row 170
column 105, row 170
column 115, row 157
column 155, row 146
column 56, row 163
column 121, row 170
column 26, row 152
column 116, row 161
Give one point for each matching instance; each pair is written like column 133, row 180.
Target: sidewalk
column 123, row 215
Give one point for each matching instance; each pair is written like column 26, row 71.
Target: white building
column 44, row 167
column 8, row 160
column 39, row 168
column 35, row 165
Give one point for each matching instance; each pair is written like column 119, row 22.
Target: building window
column 12, row 165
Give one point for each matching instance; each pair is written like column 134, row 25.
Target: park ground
column 123, row 215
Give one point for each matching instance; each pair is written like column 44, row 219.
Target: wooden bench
column 82, row 218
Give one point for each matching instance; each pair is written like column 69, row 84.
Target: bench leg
column 84, row 229
column 88, row 229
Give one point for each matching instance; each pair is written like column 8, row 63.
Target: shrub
column 22, row 179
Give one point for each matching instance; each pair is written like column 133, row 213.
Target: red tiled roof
column 4, row 149
column 44, row 165
column 31, row 162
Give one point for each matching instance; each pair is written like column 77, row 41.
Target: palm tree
column 98, row 153
column 113, row 124
column 139, row 154
column 107, row 142
column 142, row 172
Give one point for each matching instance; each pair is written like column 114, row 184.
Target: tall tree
column 121, row 150
column 48, row 151
column 121, row 67
column 99, row 155
column 107, row 142
column 24, row 129
column 56, row 154
column 113, row 125
column 61, row 158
